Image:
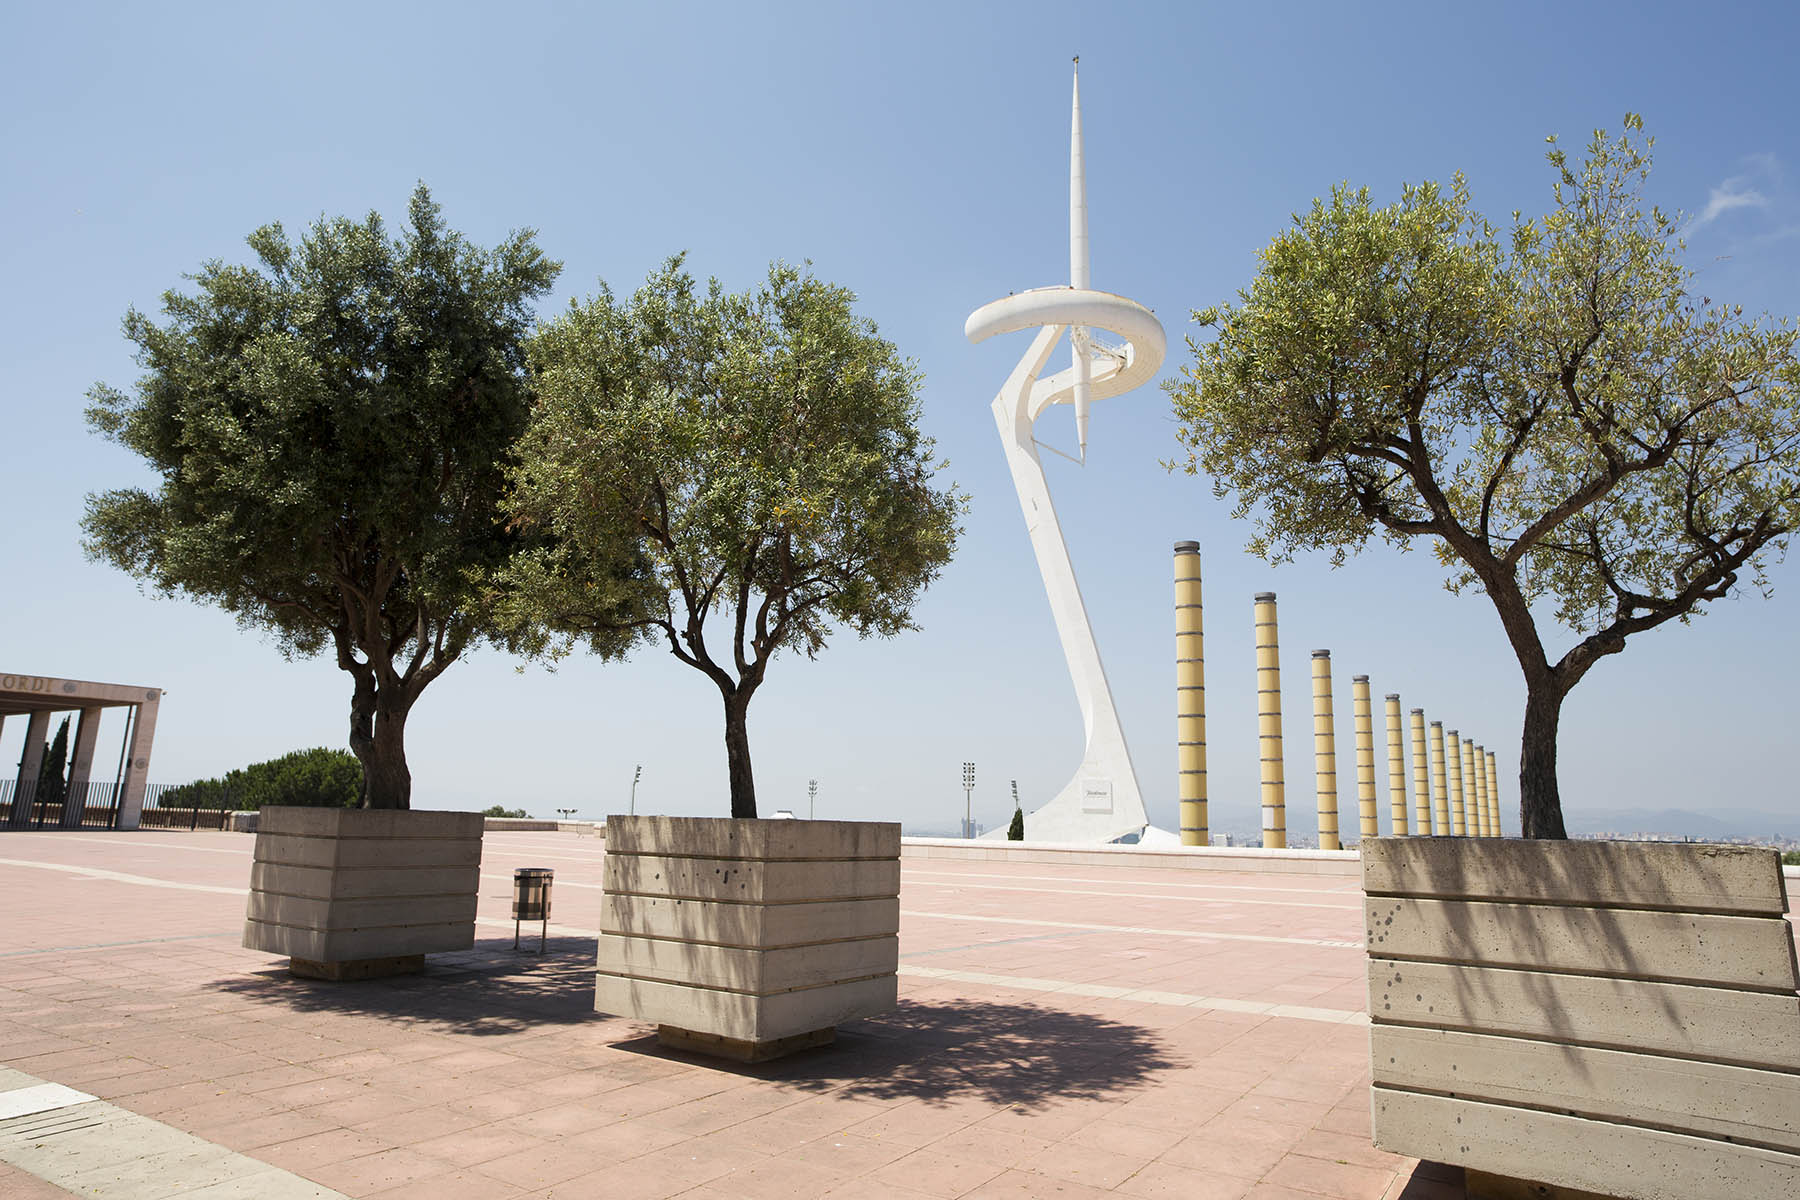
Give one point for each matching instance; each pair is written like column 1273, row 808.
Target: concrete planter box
column 354, row 894
column 745, row 938
column 1579, row 1019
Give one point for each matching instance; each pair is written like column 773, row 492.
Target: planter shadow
column 1023, row 1055
column 485, row 991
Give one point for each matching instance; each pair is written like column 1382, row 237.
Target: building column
column 1396, row 768
column 1493, row 777
column 1268, row 724
column 1440, row 798
column 1190, row 697
column 1458, row 820
column 1421, row 776
column 1324, row 751
column 31, row 762
column 1364, row 722
column 1477, row 817
column 137, row 761
column 81, row 766
column 1477, row 771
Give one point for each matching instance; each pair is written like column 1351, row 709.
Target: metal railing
column 39, row 804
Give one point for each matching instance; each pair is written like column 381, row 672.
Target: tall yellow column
column 1477, row 770
column 1421, row 778
column 1325, row 751
column 1472, row 796
column 1458, row 825
column 1440, row 798
column 1190, row 697
column 1365, row 757
column 1493, row 776
column 1396, row 768
column 1268, row 724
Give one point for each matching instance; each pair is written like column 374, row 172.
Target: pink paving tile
column 1341, row 1181
column 936, row 1174
column 1026, row 1185
column 778, row 1179
column 378, row 1172
column 1085, row 1164
column 472, row 1147
column 303, row 1155
column 1166, row 1181
column 458, row 1185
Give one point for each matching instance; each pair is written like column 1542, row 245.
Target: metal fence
column 186, row 806
column 43, row 804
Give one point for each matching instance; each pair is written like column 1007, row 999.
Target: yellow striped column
column 1364, row 721
column 1190, row 697
column 1493, row 775
column 1453, row 750
column 1421, row 778
column 1484, row 820
column 1396, row 767
column 1440, row 799
column 1472, row 796
column 1268, row 724
column 1325, row 751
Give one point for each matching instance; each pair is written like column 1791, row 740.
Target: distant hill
column 1680, row 822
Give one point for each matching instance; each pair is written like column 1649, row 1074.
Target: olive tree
column 1552, row 407
column 732, row 475
column 329, row 429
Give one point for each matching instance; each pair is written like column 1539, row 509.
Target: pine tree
column 1016, row 831
column 51, row 784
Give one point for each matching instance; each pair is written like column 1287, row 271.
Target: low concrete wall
column 1615, row 1017
column 1182, row 858
column 535, row 825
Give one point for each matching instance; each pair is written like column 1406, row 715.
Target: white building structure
column 1102, row 802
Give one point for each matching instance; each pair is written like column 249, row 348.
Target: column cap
column 1396, row 696
column 1359, row 679
column 1418, row 712
column 1262, row 596
column 1434, row 724
column 1321, row 654
column 1187, row 547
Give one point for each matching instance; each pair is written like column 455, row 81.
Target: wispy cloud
column 1739, row 191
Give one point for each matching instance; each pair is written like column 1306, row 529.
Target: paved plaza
column 1068, row 1032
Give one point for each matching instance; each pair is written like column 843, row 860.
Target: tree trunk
column 737, row 754
column 378, row 739
column 1540, row 804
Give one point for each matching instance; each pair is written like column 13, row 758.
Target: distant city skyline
column 142, row 143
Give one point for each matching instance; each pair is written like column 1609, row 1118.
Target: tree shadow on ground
column 1025, row 1055
column 490, row 989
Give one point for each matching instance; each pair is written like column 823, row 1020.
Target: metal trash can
column 531, row 901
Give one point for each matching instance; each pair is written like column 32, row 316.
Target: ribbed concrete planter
column 1581, row 1019
column 748, row 939
column 354, row 894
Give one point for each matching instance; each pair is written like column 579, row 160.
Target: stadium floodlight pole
column 968, row 804
column 812, row 796
column 635, row 776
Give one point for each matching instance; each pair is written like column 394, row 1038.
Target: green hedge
column 316, row 778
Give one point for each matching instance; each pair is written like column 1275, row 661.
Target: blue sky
column 918, row 154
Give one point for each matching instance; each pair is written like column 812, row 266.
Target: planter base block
column 357, row 968
column 739, row 1049
column 1482, row 1186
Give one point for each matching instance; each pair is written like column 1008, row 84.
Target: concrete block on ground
column 333, row 886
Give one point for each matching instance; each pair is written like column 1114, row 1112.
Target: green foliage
column 755, row 455
column 1551, row 407
column 1015, row 832
column 329, row 428
column 500, row 810
column 53, row 783
column 1790, row 858
column 317, row 778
